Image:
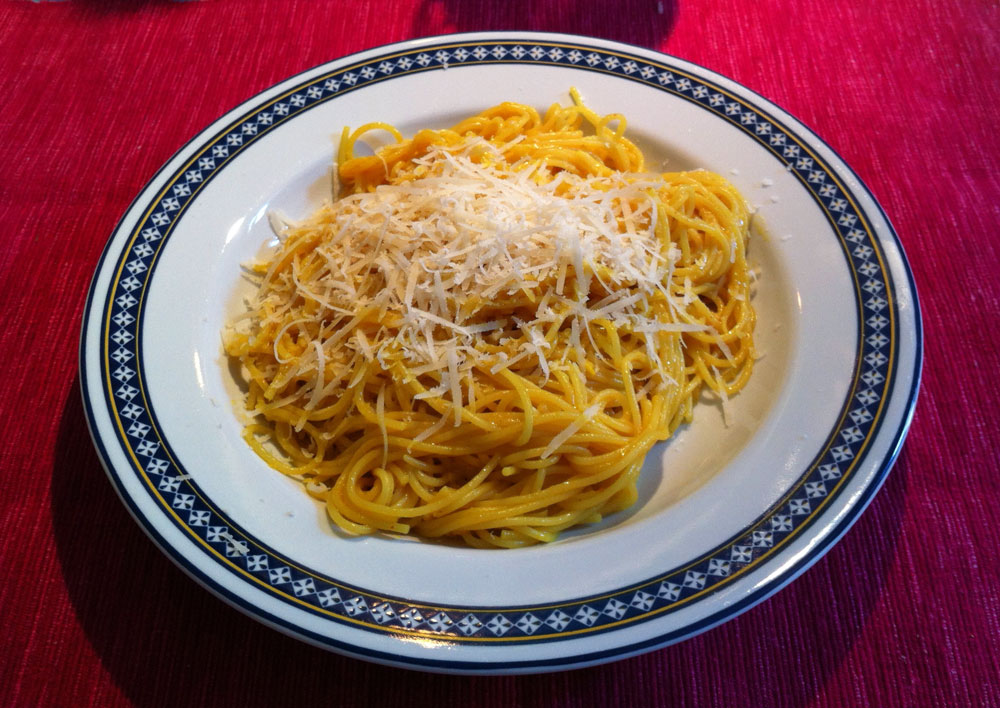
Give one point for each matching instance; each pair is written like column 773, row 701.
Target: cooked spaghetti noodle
column 488, row 330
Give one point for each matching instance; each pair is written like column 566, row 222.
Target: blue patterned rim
column 166, row 482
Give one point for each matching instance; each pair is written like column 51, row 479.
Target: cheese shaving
column 436, row 246
column 570, row 430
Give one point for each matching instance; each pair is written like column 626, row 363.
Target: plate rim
column 761, row 104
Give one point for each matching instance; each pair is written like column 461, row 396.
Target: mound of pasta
column 487, row 330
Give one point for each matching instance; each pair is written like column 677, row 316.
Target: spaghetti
column 488, row 330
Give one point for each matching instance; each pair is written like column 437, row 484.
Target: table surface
column 902, row 612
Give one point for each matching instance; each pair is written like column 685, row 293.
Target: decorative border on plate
column 178, row 495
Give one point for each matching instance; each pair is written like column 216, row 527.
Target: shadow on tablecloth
column 165, row 641
column 649, row 22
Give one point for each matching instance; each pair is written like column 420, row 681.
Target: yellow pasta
column 483, row 335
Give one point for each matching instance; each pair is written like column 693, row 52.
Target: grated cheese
column 570, row 429
column 430, row 252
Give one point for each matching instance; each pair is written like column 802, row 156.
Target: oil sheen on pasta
column 483, row 336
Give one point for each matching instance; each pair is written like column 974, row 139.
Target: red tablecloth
column 904, row 611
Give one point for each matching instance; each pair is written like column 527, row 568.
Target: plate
column 727, row 513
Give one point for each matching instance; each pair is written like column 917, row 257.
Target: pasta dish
column 483, row 335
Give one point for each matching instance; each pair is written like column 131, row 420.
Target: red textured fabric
column 97, row 95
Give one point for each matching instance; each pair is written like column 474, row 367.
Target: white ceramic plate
column 726, row 516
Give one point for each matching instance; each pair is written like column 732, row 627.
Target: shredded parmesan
column 435, row 249
column 570, row 429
